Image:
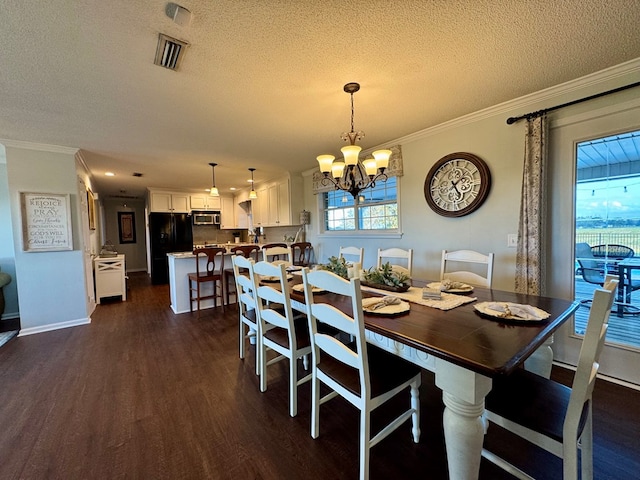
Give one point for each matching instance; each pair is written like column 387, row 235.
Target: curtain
column 530, row 268
column 395, row 169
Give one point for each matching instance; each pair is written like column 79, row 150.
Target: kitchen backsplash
column 211, row 234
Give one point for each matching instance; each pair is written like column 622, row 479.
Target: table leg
column 463, row 393
column 541, row 361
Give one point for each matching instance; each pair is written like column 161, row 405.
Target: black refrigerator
column 169, row 232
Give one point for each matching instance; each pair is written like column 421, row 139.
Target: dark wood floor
column 145, row 394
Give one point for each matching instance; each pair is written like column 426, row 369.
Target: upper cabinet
column 204, row 201
column 230, row 218
column 274, row 205
column 170, row 202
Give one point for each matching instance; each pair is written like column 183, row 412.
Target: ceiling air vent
column 170, row 52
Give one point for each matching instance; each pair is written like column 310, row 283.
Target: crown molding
column 525, row 102
column 43, row 147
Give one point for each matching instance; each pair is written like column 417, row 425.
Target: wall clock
column 457, row 184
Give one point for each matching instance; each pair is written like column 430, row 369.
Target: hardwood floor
column 143, row 393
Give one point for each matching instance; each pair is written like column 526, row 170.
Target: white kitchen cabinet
column 204, row 201
column 260, row 207
column 169, row 202
column 110, row 277
column 279, row 204
column 227, row 214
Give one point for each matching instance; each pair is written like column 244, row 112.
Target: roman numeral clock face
column 457, row 184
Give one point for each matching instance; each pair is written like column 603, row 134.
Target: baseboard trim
column 607, row 378
column 53, row 326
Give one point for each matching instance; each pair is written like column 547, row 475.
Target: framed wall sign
column 127, row 227
column 46, row 222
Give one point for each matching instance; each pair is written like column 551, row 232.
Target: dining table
column 464, row 348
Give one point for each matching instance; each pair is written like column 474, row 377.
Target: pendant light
column 252, row 194
column 214, row 190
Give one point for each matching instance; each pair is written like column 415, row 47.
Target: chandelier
column 352, row 175
column 213, row 191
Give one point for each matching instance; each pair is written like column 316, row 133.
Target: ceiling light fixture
column 252, row 194
column 357, row 175
column 214, row 190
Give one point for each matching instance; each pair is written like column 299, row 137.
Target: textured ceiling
column 261, row 82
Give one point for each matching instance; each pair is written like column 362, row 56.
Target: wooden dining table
column 465, row 350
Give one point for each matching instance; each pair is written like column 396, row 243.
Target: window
column 374, row 209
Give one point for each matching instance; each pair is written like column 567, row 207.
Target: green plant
column 386, row 276
column 337, row 266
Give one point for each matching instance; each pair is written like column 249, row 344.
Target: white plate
column 465, row 289
column 537, row 315
column 300, row 288
column 389, row 309
column 273, row 279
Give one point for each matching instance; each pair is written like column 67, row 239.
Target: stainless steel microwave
column 205, row 217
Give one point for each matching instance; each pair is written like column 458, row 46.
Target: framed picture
column 127, row 227
column 46, row 222
column 91, row 210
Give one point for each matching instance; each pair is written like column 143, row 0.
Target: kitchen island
column 181, row 264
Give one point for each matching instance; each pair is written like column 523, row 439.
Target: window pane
column 374, row 209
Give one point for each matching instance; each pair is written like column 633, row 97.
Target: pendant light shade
column 252, row 194
column 213, row 191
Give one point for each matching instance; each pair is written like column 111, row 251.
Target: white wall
column 51, row 284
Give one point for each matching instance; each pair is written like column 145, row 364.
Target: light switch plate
column 512, row 240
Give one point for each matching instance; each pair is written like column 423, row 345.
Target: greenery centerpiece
column 386, row 278
column 338, row 266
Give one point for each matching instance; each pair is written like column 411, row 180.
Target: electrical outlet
column 512, row 240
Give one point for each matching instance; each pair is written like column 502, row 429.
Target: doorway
column 607, row 231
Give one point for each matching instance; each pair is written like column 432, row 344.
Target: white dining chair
column 352, row 254
column 548, row 414
column 363, row 374
column 467, row 259
column 248, row 321
column 279, row 330
column 277, row 253
column 393, row 255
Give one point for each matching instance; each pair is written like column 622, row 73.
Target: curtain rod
column 512, row 120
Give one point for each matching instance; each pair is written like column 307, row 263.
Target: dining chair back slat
column 277, row 253
column 467, row 259
column 395, row 254
column 352, row 254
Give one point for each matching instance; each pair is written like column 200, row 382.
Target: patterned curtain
column 530, row 268
column 395, row 170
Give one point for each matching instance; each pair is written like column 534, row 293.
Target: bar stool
column 212, row 273
column 301, row 252
column 246, row 251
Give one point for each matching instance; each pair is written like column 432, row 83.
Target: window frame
column 357, row 232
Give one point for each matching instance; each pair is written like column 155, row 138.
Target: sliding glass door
column 607, row 231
